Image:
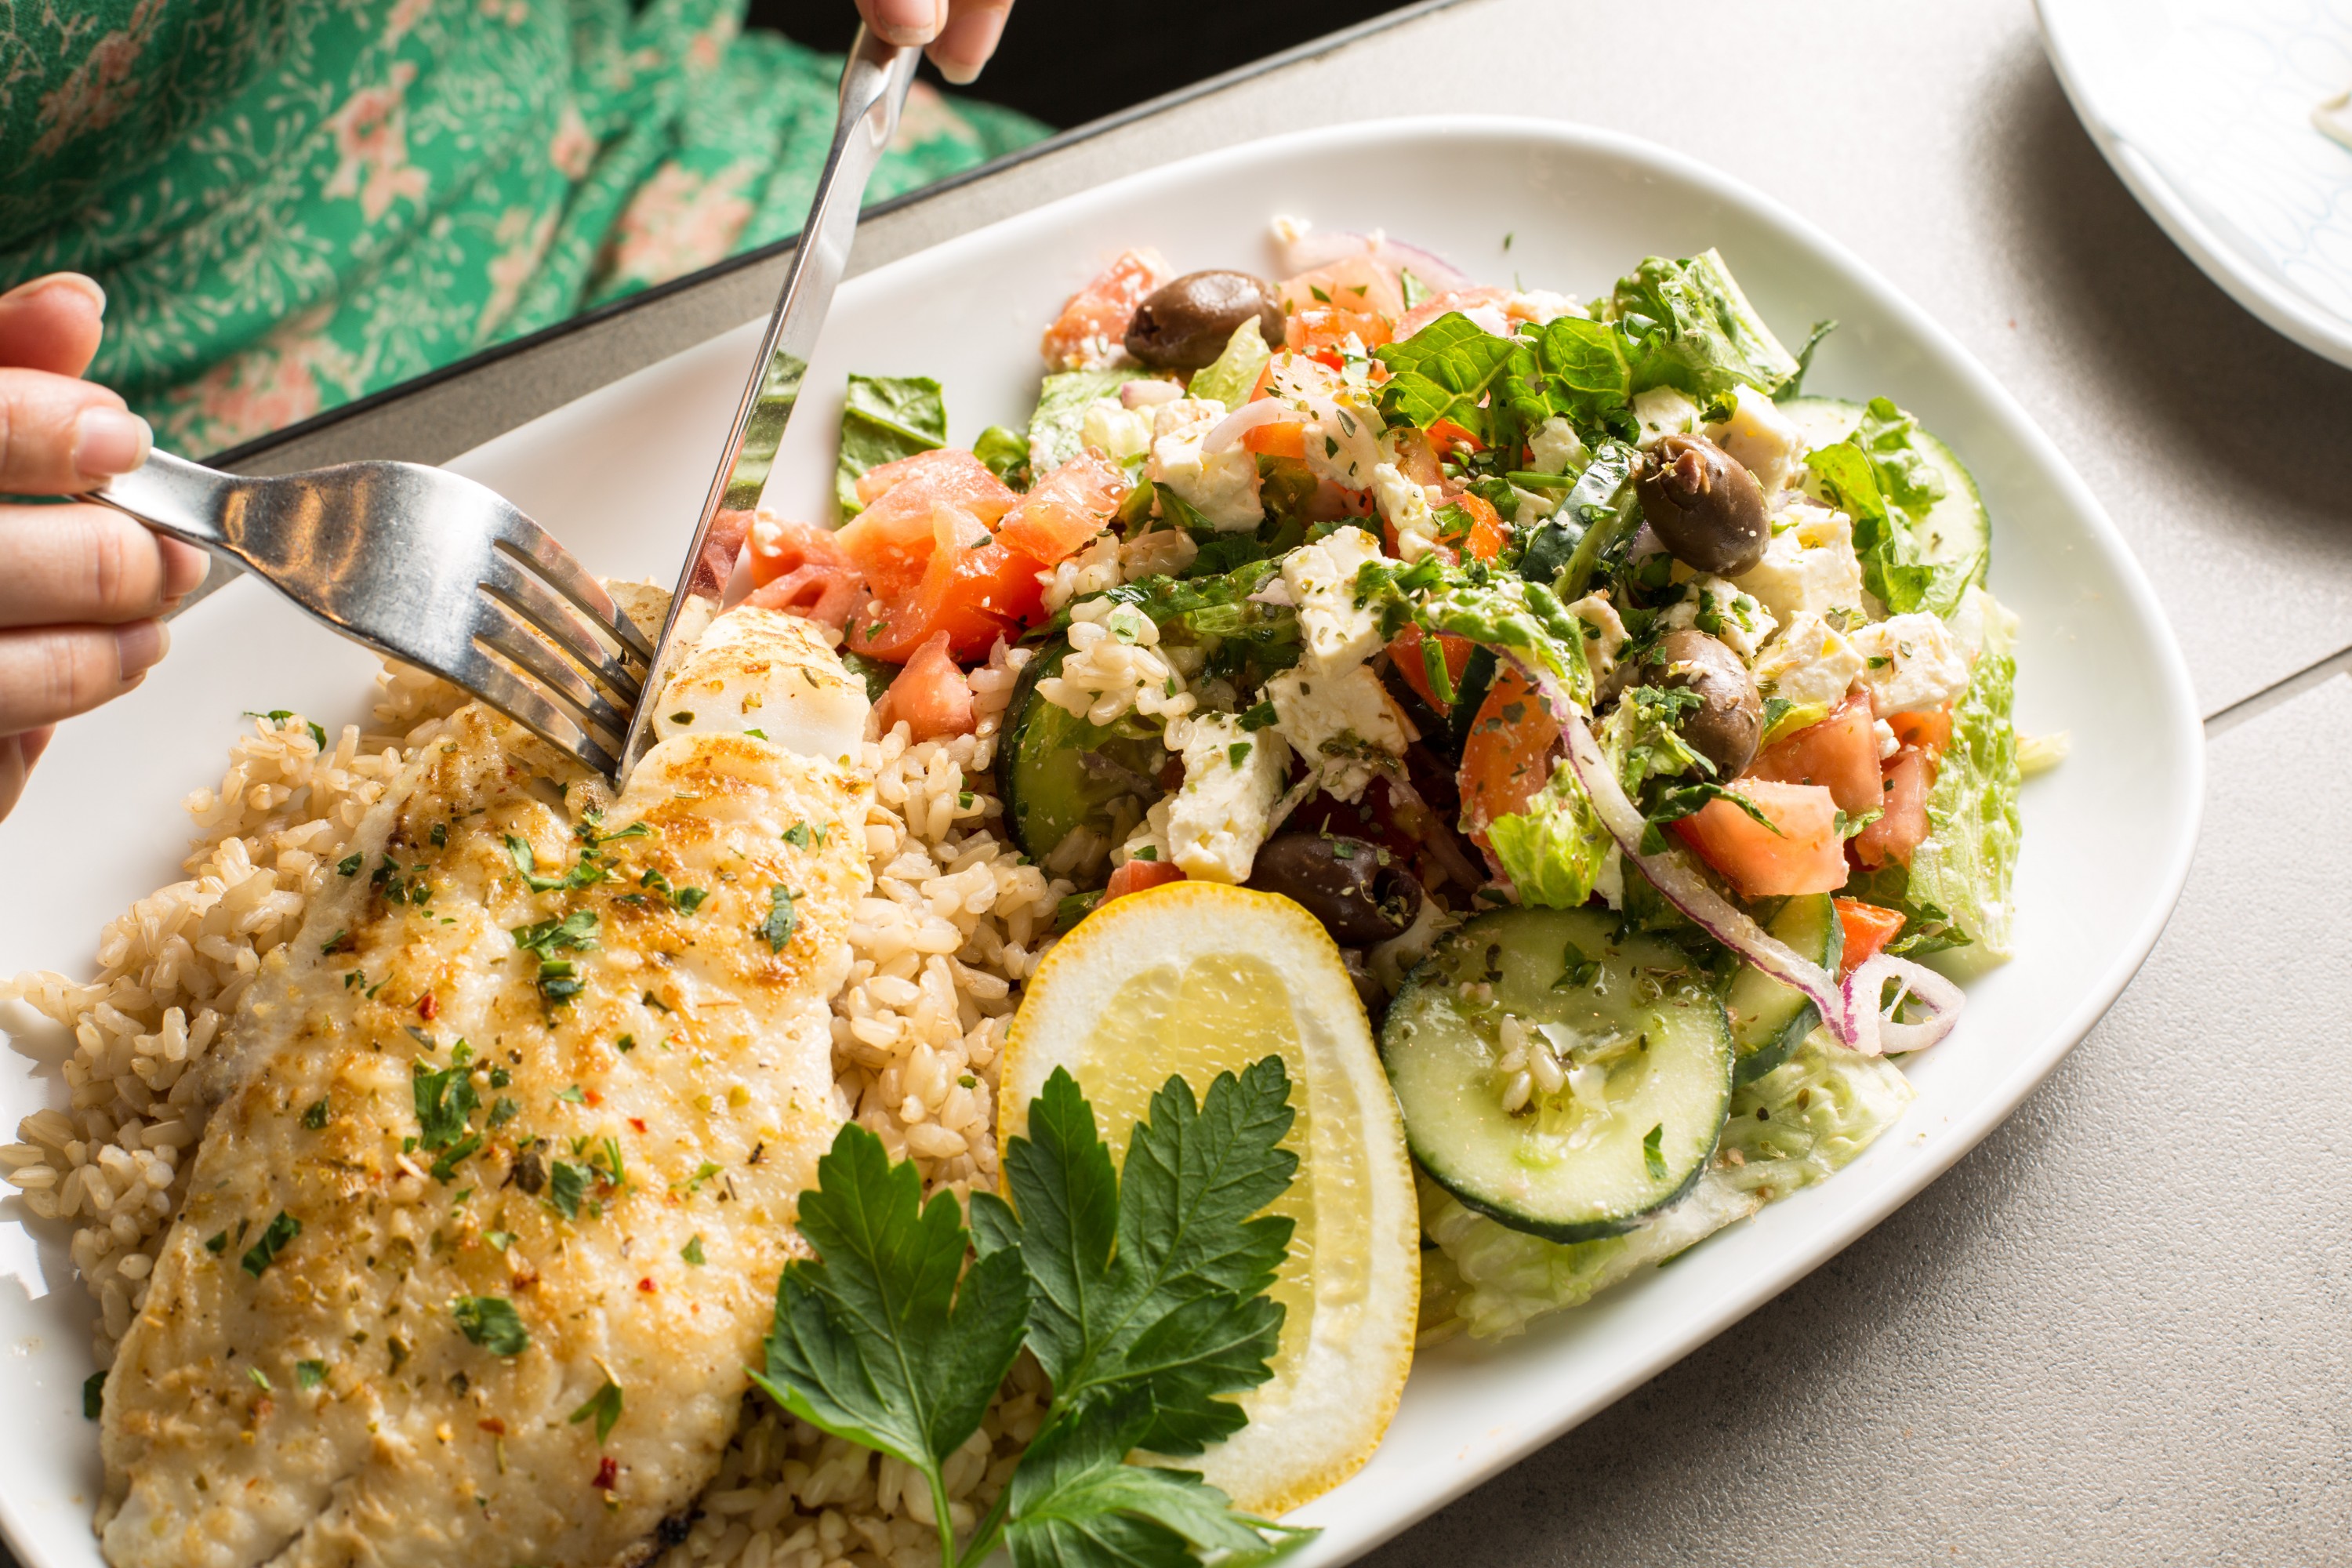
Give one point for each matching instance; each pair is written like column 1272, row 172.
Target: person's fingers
column 906, row 23
column 52, row 323
column 49, row 673
column 969, row 39
column 17, row 755
column 66, row 565
column 60, row 436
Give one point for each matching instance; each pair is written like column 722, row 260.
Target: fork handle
column 183, row 499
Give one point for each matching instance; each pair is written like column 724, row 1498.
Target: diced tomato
column 1066, row 509
column 1930, row 731
column 1137, row 875
column 1487, row 535
column 1282, row 438
column 1092, row 325
column 1800, row 853
column 1463, row 299
column 801, row 567
column 1903, row 798
column 1840, row 753
column 890, row 540
column 1509, row 756
column 929, row 694
column 1446, row 434
column 1405, row 652
column 1416, row 458
column 1867, row 929
column 973, row 589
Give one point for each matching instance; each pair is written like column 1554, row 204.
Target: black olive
column 1729, row 720
column 1186, row 324
column 1368, row 990
column 1360, row 893
column 1703, row 506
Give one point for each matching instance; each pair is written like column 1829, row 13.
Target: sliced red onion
column 1921, row 986
column 1320, row 248
column 1352, row 431
column 1275, row 593
column 1143, row 393
column 1243, row 420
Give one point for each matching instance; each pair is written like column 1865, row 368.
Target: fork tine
column 527, row 541
column 497, row 627
column 541, row 610
column 502, row 689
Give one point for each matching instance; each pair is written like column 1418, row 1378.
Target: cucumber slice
column 1769, row 1020
column 1565, row 1167
column 1956, row 528
column 1061, row 773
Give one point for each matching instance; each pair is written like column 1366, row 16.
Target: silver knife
column 873, row 88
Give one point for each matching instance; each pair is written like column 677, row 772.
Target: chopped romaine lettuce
column 1062, row 408
column 1820, row 1108
column 1552, row 851
column 1970, row 853
column 1232, row 375
column 1880, row 478
column 1453, row 371
column 886, row 418
column 1577, row 369
column 1006, row 454
column 1694, row 330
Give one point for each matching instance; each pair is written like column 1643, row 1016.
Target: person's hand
column 80, row 585
column 961, row 33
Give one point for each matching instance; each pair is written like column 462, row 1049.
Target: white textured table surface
column 2117, row 1333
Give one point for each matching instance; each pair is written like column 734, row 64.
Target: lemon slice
column 1198, row 978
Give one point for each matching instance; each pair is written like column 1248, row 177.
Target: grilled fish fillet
column 485, row 1227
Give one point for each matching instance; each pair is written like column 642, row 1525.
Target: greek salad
column 1633, row 719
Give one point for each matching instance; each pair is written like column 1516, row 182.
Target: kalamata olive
column 1186, row 324
column 1729, row 720
column 1368, row 990
column 1703, row 506
column 1360, row 893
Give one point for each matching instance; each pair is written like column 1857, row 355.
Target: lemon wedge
column 1198, row 978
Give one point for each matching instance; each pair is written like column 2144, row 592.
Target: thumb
column 906, row 23
column 61, row 437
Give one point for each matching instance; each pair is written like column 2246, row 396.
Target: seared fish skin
column 593, row 1194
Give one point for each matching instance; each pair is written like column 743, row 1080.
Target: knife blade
column 874, row 85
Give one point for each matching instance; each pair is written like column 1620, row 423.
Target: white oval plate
column 618, row 476
column 2203, row 107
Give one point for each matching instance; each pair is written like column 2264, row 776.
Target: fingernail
column 139, row 646
column 965, row 46
column 109, row 441
column 909, row 22
column 86, row 287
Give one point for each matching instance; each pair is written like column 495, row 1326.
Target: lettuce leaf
column 1062, row 408
column 1552, row 851
column 1576, row 369
column 884, row 419
column 1808, row 1117
column 1879, row 477
column 1229, row 378
column 1964, row 867
column 1006, row 454
column 1694, row 329
column 1453, row 371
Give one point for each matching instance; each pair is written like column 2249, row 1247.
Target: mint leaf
column 885, row 419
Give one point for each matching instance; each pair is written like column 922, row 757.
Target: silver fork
column 428, row 567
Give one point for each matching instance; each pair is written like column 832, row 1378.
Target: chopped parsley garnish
column 280, row 715
column 777, row 929
column 335, row 943
column 707, row 1171
column 218, row 1242
column 1652, row 1160
column 1237, row 753
column 689, row 900
column 500, row 1077
column 798, row 835
column 692, row 1250
column 491, row 1322
column 604, row 1405
column 273, row 1240
column 316, row 1116
column 575, row 1095
column 439, row 836
column 309, row 1373
column 1579, row 973
column 93, row 1396
column 757, row 734
column 1261, row 717
column 576, row 932
column 499, row 1240
column 566, row 1184
column 349, row 866
column 261, row 1380
column 625, row 1043
column 503, row 1111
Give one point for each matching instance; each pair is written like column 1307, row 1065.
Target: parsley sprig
column 1142, row 1295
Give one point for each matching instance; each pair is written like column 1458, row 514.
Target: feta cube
column 1222, row 813
column 1554, row 448
column 1334, row 632
column 1117, row 431
column 1221, row 486
column 1808, row 564
column 1766, row 441
column 1911, row 663
column 1664, row 411
column 1344, row 725
column 1809, row 664
column 1404, row 506
column 1723, row 612
column 1604, row 633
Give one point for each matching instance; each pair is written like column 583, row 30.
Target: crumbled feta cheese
column 1116, row 666
column 1148, row 840
column 1289, row 231
column 1911, row 663
column 1809, row 664
column 1404, row 506
column 1554, row 448
column 1610, row 880
column 1604, row 633
column 1344, row 725
column 1222, row 813
column 1723, row 612
column 1114, row 430
column 1222, row 487
column 1334, row 632
column 1765, row 441
column 1808, row 564
column 1664, row 411
column 1887, row 744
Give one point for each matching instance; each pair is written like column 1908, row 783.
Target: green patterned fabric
column 293, row 203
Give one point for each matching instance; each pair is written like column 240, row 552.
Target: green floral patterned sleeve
column 292, row 203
